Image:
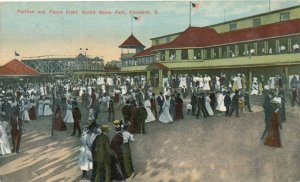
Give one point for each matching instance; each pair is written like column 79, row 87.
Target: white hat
column 266, row 87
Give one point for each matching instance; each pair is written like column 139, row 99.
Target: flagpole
column 131, row 24
column 190, row 14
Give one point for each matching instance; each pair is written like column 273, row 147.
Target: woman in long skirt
column 150, row 116
column 85, row 161
column 207, row 105
column 59, row 123
column 165, row 116
column 32, row 111
column 41, row 107
column 273, row 136
column 47, row 108
column 4, row 143
column 69, row 115
column 127, row 165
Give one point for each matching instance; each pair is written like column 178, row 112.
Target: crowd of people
column 137, row 101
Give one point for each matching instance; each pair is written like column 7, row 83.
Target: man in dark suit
column 235, row 104
column 227, row 103
column 102, row 154
column 16, row 129
column 247, row 100
column 126, row 111
column 141, row 116
column 184, row 92
column 77, row 117
column 201, row 106
column 160, row 100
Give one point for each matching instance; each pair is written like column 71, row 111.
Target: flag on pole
column 17, row 54
column 196, row 5
column 138, row 18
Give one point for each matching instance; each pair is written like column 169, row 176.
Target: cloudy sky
column 64, row 34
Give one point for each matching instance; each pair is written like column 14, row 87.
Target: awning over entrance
column 157, row 66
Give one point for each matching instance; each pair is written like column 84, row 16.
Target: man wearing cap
column 102, row 153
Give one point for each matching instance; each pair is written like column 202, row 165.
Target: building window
column 162, row 55
column 284, row 16
column 168, row 39
column 172, row 55
column 256, row 22
column 232, row 26
column 156, row 42
column 197, row 54
column 184, row 54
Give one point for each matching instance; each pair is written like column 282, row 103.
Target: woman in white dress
column 4, row 143
column 25, row 114
column 150, row 116
column 69, row 115
column 220, row 100
column 85, row 161
column 47, row 109
column 165, row 116
column 206, row 80
column 41, row 107
column 207, row 105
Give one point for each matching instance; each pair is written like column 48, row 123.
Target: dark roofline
column 166, row 35
column 230, row 21
column 252, row 16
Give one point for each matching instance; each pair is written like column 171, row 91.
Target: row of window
column 138, row 61
column 285, row 16
column 272, row 46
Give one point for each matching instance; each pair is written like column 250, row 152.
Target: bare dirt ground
column 215, row 149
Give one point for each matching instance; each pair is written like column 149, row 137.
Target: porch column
column 160, row 79
column 250, row 81
column 289, row 47
column 286, row 71
column 148, row 77
column 169, row 74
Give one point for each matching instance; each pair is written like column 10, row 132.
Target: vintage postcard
column 150, row 91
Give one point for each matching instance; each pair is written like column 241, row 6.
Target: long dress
column 220, row 100
column 85, row 161
column 207, row 106
column 126, row 165
column 165, row 116
column 133, row 122
column 4, row 143
column 25, row 115
column 69, row 115
column 41, row 108
column 47, row 109
column 273, row 136
column 116, row 163
column 150, row 116
column 59, row 123
column 32, row 112
column 206, row 80
column 178, row 108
